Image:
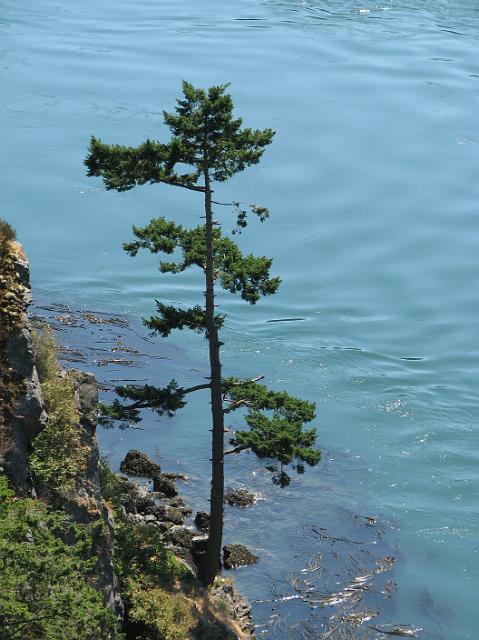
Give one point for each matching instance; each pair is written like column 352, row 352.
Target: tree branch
column 235, row 405
column 191, row 187
column 205, row 385
column 237, row 449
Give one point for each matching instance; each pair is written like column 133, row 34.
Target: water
column 373, row 191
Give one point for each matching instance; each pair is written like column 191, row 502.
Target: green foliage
column 7, row 232
column 170, row 318
column 164, row 401
column 46, row 353
column 58, row 457
column 237, row 273
column 203, row 131
column 275, row 421
column 140, row 555
column 46, row 575
column 164, row 615
column 209, row 144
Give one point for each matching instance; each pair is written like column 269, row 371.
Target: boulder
column 137, row 463
column 180, row 504
column 237, row 555
column 165, row 513
column 179, row 537
column 135, row 499
column 198, row 547
column 176, row 476
column 202, row 520
column 164, row 485
column 240, row 498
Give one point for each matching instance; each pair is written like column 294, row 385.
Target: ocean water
column 372, row 184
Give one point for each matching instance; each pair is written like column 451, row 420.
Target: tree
column 213, row 146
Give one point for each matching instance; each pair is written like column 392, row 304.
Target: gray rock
column 202, row 520
column 176, row 476
column 240, row 498
column 135, row 499
column 163, row 485
column 198, row 548
column 179, row 537
column 137, row 463
column 180, row 504
column 149, row 518
column 165, row 513
column 237, row 555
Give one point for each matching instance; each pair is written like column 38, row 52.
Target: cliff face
column 49, row 450
column 27, row 417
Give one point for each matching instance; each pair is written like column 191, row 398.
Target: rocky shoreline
column 228, row 614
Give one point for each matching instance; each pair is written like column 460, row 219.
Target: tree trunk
column 212, row 561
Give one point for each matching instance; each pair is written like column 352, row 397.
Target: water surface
column 372, row 183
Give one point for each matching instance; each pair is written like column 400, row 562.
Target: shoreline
column 77, row 328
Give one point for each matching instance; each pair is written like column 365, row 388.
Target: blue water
column 372, row 183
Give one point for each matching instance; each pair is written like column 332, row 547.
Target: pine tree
column 213, row 146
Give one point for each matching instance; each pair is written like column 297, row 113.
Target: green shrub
column 166, row 616
column 7, row 232
column 46, row 353
column 58, row 457
column 47, row 585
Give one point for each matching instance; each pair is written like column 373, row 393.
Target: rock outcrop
column 240, row 498
column 237, row 555
column 29, row 418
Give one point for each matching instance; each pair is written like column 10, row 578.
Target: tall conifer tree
column 213, row 146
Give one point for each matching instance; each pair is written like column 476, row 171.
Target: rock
column 240, row 498
column 179, row 537
column 149, row 518
column 136, row 463
column 202, row 520
column 134, row 498
column 198, row 547
column 237, row 555
column 163, row 485
column 165, row 513
column 164, row 526
column 223, row 593
column 176, row 476
column 180, row 504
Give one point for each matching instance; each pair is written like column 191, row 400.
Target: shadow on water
column 333, row 578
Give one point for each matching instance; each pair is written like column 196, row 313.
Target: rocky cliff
column 49, row 452
column 24, row 417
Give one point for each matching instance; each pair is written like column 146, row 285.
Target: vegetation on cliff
column 58, row 457
column 47, row 575
column 11, row 307
column 57, row 542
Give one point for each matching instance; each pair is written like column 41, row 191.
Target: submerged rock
column 202, row 520
column 136, row 463
column 240, row 498
column 172, row 475
column 237, row 555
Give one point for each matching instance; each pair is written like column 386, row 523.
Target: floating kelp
column 341, row 588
